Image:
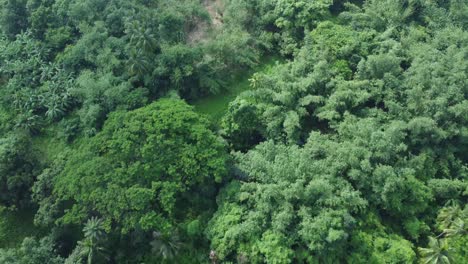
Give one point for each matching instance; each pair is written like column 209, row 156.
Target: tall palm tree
column 90, row 245
column 438, row 252
column 93, row 233
column 166, row 246
column 142, row 37
column 93, row 229
column 88, row 248
column 139, row 65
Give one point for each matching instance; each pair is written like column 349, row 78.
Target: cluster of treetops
column 351, row 150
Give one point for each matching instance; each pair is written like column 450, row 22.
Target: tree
column 36, row 90
column 91, row 244
column 13, row 17
column 285, row 198
column 451, row 220
column 148, row 169
column 293, row 19
column 32, row 251
column 143, row 46
column 166, row 246
column 102, row 93
column 18, row 167
column 142, row 37
column 450, row 245
column 373, row 242
column 438, row 252
column 241, row 125
column 93, row 229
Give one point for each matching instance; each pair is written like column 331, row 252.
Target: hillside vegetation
column 233, row 131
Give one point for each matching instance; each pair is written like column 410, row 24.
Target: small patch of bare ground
column 199, row 32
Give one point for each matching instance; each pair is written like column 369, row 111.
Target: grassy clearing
column 215, row 106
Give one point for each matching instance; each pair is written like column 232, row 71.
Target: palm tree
column 139, row 64
column 93, row 232
column 452, row 221
column 142, row 37
column 438, row 252
column 88, row 248
column 93, row 229
column 448, row 214
column 457, row 227
column 90, row 245
column 166, row 246
column 254, row 80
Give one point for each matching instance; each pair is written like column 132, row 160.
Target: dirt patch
column 215, row 9
column 199, row 32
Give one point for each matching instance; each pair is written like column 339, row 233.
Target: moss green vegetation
column 216, row 105
column 15, row 226
column 233, row 131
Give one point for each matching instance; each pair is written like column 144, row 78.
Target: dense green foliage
column 322, row 131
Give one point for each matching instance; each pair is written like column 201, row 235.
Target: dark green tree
column 18, row 168
column 166, row 246
column 14, row 17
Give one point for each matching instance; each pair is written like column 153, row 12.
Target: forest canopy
column 332, row 131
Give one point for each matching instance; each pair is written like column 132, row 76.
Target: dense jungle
column 233, row 131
